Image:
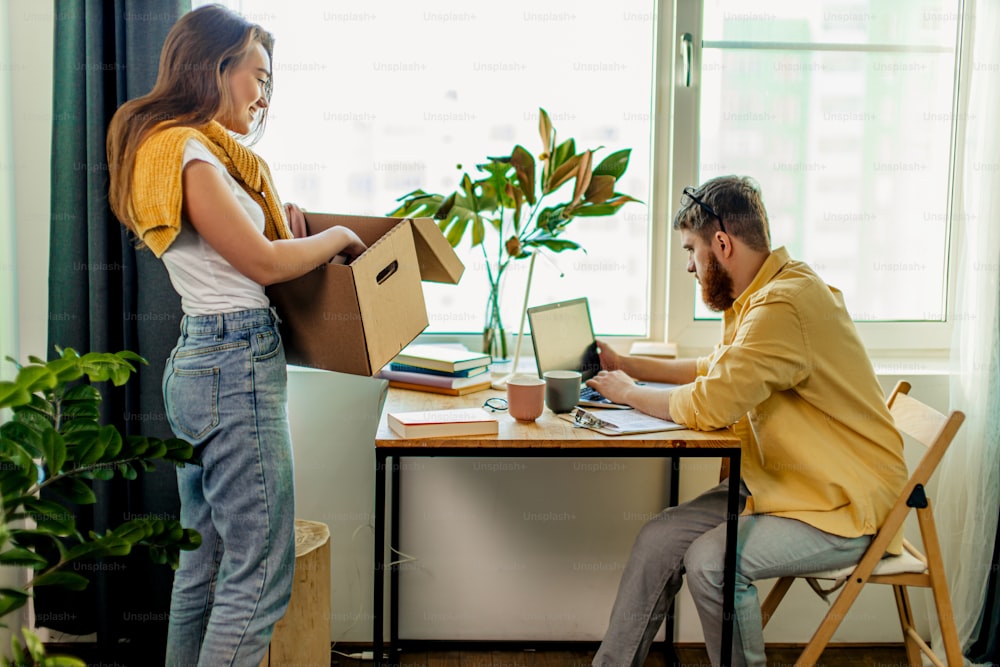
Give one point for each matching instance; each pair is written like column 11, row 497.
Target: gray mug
column 562, row 390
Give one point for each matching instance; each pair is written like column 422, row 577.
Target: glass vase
column 494, row 336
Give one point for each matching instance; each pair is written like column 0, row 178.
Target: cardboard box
column 355, row 318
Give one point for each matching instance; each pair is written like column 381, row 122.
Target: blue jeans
column 225, row 391
column 691, row 539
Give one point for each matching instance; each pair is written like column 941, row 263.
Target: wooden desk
column 549, row 436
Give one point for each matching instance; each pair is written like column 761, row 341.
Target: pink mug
column 525, row 397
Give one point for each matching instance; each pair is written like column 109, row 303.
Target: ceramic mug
column 525, row 397
column 562, row 390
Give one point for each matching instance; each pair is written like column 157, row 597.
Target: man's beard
column 716, row 286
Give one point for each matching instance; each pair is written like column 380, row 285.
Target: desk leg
column 729, row 575
column 394, row 482
column 377, row 604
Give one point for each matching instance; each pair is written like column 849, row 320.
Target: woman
column 205, row 205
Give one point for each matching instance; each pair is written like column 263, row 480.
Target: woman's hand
column 296, row 220
column 353, row 245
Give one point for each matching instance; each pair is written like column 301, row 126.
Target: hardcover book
column 435, row 423
column 441, row 358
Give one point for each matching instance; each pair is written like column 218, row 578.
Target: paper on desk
column 619, row 422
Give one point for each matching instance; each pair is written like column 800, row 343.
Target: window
column 374, row 100
column 843, row 112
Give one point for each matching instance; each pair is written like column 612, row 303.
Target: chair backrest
column 925, row 425
column 932, row 429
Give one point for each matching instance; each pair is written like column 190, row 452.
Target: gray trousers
column 691, row 539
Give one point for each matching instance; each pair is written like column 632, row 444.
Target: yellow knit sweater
column 157, row 195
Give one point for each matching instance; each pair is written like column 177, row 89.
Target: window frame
column 677, row 114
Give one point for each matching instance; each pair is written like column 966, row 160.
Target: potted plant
column 53, row 440
column 515, row 198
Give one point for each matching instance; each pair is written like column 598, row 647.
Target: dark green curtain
column 106, row 296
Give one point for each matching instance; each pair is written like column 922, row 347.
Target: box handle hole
column 384, row 274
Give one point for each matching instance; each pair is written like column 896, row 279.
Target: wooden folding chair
column 912, row 568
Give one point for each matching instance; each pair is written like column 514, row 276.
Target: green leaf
column 19, row 557
column 34, row 644
column 614, row 165
column 23, row 436
column 12, row 394
column 51, row 516
column 82, row 392
column 68, row 580
column 36, row 378
column 63, row 661
column 11, row 599
column 128, row 355
column 127, row 471
column 74, row 490
column 112, row 440
column 66, row 370
column 91, row 450
column 54, row 448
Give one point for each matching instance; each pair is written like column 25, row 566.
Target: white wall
column 31, row 41
column 29, row 29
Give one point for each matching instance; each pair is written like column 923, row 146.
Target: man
column 822, row 461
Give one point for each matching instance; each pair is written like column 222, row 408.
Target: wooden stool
column 302, row 637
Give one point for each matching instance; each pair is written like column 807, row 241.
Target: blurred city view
column 841, row 110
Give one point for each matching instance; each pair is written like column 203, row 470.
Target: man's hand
column 296, row 220
column 610, row 360
column 615, row 385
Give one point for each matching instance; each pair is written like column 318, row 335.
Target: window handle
column 687, row 49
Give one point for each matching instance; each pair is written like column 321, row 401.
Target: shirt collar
column 768, row 270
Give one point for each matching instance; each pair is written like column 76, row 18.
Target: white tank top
column 206, row 282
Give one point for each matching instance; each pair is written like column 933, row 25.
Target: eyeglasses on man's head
column 689, row 193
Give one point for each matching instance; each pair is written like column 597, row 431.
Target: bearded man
column 822, row 461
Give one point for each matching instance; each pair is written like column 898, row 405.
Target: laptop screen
column 563, row 338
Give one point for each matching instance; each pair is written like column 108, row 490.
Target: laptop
column 563, row 338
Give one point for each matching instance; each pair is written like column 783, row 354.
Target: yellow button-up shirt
column 792, row 379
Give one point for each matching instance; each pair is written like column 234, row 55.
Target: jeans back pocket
column 191, row 399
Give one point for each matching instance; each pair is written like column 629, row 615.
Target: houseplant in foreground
column 515, row 197
column 54, row 441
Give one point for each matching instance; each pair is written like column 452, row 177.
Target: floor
column 838, row 656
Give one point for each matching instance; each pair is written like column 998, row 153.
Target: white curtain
column 967, row 488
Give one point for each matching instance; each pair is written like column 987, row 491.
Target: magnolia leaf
column 524, row 166
column 68, row 580
column 601, row 188
column 112, row 441
column 583, row 175
column 563, row 152
column 566, row 171
column 546, row 131
column 594, row 210
column 553, row 244
column 614, row 165
column 23, row 436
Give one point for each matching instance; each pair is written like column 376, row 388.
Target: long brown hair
column 191, row 88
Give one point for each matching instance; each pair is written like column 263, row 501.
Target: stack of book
column 441, row 369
